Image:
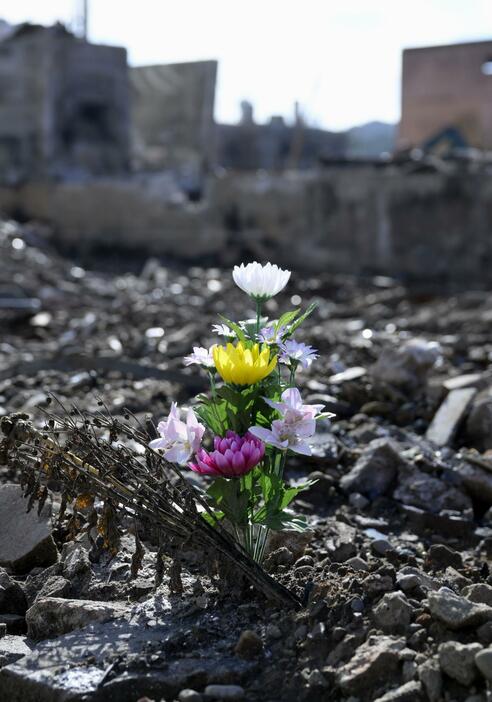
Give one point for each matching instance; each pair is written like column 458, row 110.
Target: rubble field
column 393, row 575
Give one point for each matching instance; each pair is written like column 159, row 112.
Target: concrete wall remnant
column 64, row 106
column 428, row 226
column 447, row 88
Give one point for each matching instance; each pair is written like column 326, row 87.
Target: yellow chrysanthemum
column 243, row 366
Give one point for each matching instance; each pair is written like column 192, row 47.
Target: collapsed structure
column 447, row 96
column 64, row 108
column 115, row 156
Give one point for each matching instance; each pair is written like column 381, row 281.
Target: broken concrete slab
column 53, row 616
column 12, row 648
column 25, row 537
column 75, row 665
column 449, row 416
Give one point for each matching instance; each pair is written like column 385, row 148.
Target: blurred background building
column 115, row 155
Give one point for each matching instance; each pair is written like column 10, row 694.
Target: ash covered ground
column 394, row 574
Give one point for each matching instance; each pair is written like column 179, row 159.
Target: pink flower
column 297, row 424
column 233, row 456
column 179, row 440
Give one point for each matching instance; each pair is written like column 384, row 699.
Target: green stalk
column 258, row 315
column 211, row 375
column 293, row 369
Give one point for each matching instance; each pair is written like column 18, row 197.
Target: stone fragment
column 55, row 586
column 479, row 422
column 457, row 612
column 249, row 645
column 393, row 613
column 484, row 633
column 357, row 563
column 430, row 676
column 479, row 592
column 439, row 557
column 12, row 598
column 377, row 657
column 189, row 695
column 53, row 616
column 353, row 373
column 458, row 660
column 483, row 661
column 449, row 416
column 409, row 692
column 407, row 364
column 12, row 648
column 422, row 490
column 411, row 579
column 340, row 543
column 476, row 480
column 76, row 566
column 25, row 537
column 376, row 469
column 224, row 692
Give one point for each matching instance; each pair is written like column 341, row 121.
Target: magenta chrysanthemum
column 232, row 456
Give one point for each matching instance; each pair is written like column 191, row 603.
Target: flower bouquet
column 255, row 417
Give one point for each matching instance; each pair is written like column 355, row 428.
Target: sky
column 340, row 59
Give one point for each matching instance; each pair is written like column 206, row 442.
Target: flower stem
column 214, row 398
column 258, row 316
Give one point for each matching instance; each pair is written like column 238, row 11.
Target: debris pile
column 394, row 574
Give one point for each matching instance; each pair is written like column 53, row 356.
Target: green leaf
column 301, row 319
column 286, row 319
column 231, row 498
column 235, row 328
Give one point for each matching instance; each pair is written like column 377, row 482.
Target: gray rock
column 341, row 541
column 439, row 557
column 25, row 537
column 393, row 612
column 458, row 660
column 36, row 580
column 449, row 416
column 249, row 645
column 410, row 579
column 409, row 692
column 375, row 471
column 479, row 423
column 407, row 364
column 55, row 586
column 484, row 633
column 377, row 657
column 224, row 692
column 358, row 564
column 457, row 612
column 483, row 661
column 189, row 695
column 479, row 592
column 12, row 648
column 422, row 490
column 53, row 616
column 476, row 480
column 430, row 676
column 12, row 598
column 76, row 566
column 358, row 501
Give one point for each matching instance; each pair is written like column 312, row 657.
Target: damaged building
column 447, row 96
column 64, row 105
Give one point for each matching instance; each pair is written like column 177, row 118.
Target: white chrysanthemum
column 261, row 282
